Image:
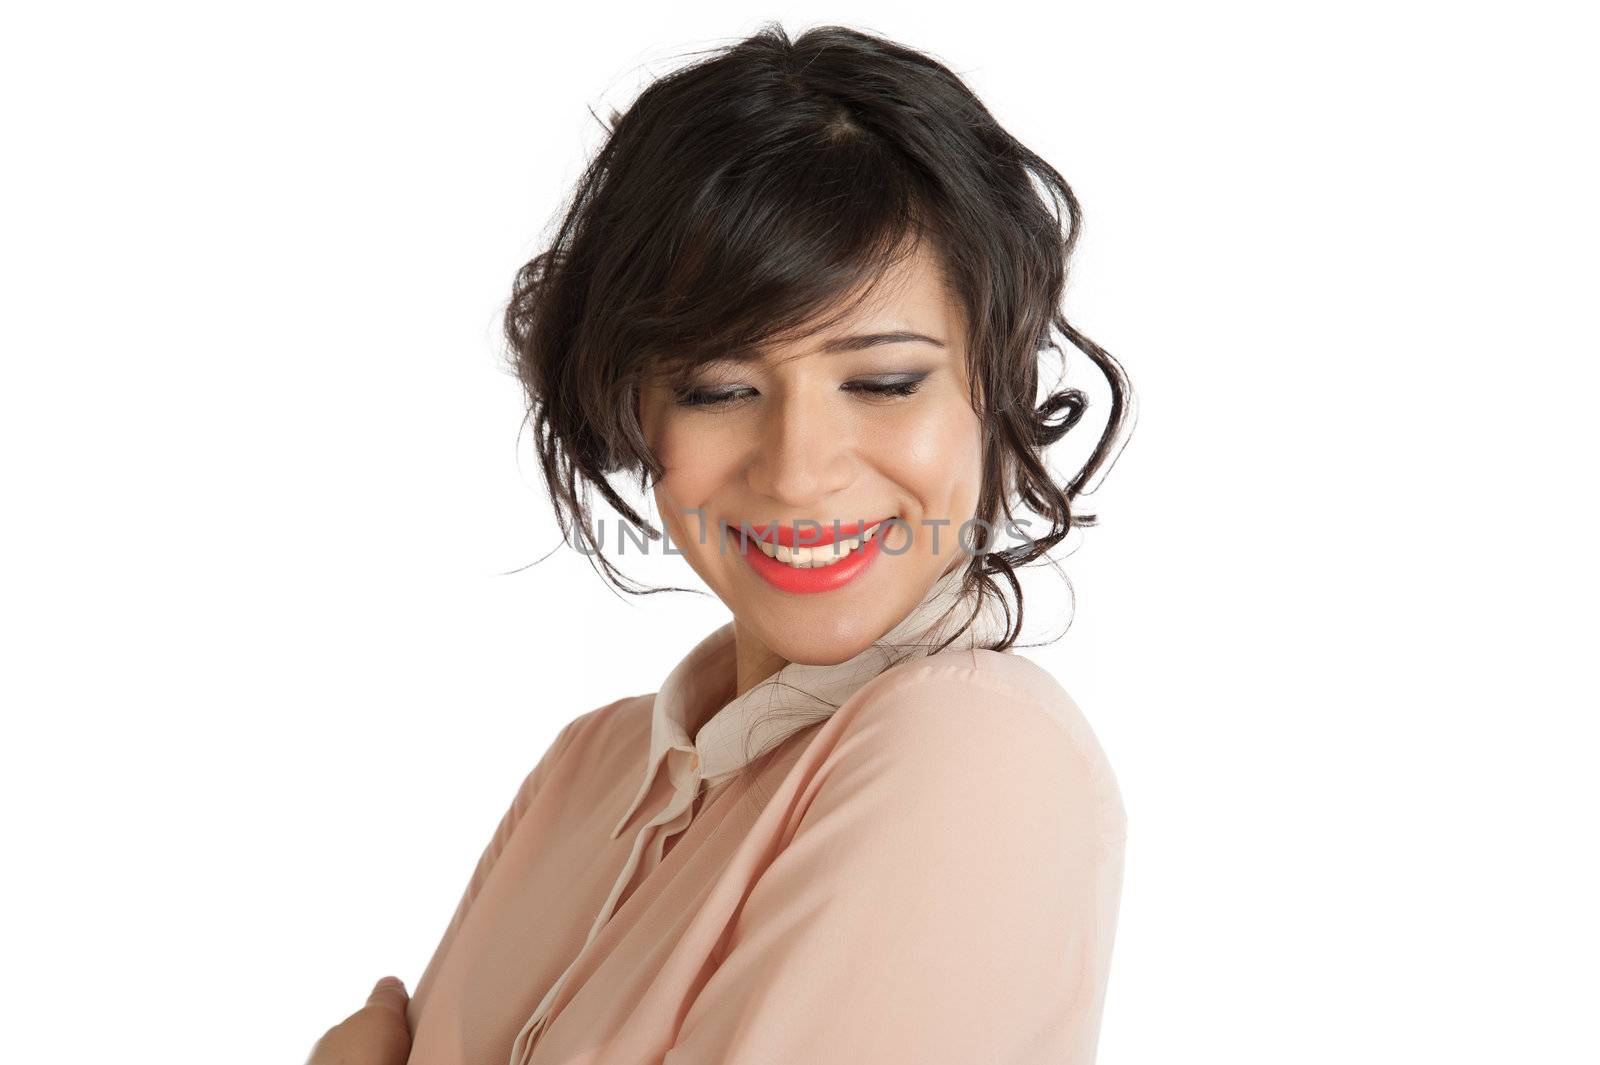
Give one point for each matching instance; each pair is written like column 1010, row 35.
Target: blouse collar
column 795, row 697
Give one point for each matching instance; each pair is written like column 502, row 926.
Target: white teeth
column 817, row 556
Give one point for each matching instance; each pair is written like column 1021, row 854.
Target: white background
column 267, row 688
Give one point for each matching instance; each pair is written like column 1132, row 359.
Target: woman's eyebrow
column 860, row 341
column 854, row 342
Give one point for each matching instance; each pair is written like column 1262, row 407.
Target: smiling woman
column 832, row 430
column 802, row 294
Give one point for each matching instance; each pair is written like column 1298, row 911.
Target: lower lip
column 816, row 579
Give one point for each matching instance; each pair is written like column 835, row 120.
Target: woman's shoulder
column 994, row 713
column 618, row 725
column 977, row 681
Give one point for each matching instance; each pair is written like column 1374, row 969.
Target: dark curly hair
column 741, row 197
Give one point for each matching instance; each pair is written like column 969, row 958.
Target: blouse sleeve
column 497, row 843
column 949, row 896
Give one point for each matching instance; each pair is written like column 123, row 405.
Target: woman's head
column 869, row 425
column 689, row 326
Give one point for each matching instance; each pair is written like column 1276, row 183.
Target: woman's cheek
column 934, row 443
column 700, row 462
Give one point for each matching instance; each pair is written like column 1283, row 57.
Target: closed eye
column 897, row 385
column 710, row 397
column 893, row 386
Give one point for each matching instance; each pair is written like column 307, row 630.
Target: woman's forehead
column 909, row 304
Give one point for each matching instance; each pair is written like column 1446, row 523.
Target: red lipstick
column 815, row 579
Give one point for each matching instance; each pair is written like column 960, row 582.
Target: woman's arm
column 520, row 802
column 950, row 895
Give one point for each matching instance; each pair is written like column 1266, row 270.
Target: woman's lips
column 815, row 579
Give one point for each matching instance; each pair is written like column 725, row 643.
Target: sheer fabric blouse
column 928, row 870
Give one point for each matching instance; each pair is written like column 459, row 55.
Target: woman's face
column 808, row 435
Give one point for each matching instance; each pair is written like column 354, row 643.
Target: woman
column 802, row 292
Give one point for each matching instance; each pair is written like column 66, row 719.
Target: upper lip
column 810, row 536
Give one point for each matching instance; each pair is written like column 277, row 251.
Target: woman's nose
column 803, row 453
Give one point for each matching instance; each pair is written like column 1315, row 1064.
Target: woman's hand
column 375, row 1034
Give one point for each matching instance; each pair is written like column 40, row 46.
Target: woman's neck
column 754, row 661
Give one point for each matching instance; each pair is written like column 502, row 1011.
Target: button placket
column 683, row 770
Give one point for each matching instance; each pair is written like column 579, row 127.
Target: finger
column 389, row 993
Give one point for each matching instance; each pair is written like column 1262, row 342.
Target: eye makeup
column 889, row 385
column 875, row 387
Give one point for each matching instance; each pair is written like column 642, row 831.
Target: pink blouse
column 928, row 871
